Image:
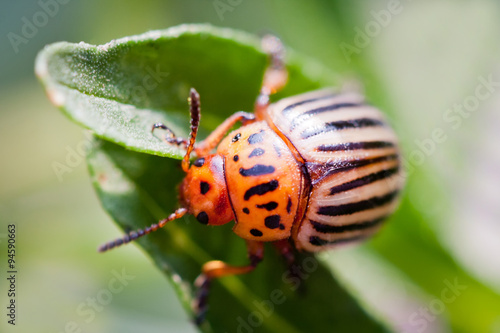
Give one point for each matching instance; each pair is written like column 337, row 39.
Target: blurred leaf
column 472, row 307
column 137, row 190
column 409, row 240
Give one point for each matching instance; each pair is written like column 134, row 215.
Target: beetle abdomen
column 352, row 159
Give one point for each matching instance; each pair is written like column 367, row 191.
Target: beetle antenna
column 195, row 111
column 133, row 235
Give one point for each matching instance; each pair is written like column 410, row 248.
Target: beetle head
column 204, row 192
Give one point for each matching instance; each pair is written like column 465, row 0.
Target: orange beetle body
column 309, row 172
column 263, row 185
column 320, row 168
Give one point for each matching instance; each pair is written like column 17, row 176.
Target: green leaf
column 137, row 190
column 120, row 89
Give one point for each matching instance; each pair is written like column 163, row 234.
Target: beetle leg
column 275, row 76
column 204, row 147
column 216, row 269
column 285, row 249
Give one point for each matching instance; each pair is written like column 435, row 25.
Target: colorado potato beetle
column 311, row 171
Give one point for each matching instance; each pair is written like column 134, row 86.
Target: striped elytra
column 319, row 168
column 352, row 163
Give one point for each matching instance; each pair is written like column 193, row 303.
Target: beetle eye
column 199, row 162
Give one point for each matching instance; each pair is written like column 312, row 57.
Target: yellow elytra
column 308, row 172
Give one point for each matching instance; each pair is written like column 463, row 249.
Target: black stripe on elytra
column 328, row 169
column 255, row 138
column 204, row 187
column 315, row 240
column 257, row 152
column 341, row 125
column 261, row 189
column 335, row 229
column 269, row 206
column 356, row 145
column 303, row 116
column 257, row 170
column 368, row 179
column 305, row 101
column 356, row 207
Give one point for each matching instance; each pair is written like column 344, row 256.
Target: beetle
column 309, row 172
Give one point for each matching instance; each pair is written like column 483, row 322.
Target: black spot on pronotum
column 257, row 170
column 269, row 206
column 272, row 222
column 257, row 152
column 289, row 205
column 282, row 227
column 236, row 158
column 261, row 189
column 204, row 187
column 255, row 138
column 202, row 217
column 236, row 137
column 199, row 162
column 246, row 210
column 256, row 232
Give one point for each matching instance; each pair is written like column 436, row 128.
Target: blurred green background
column 417, row 65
